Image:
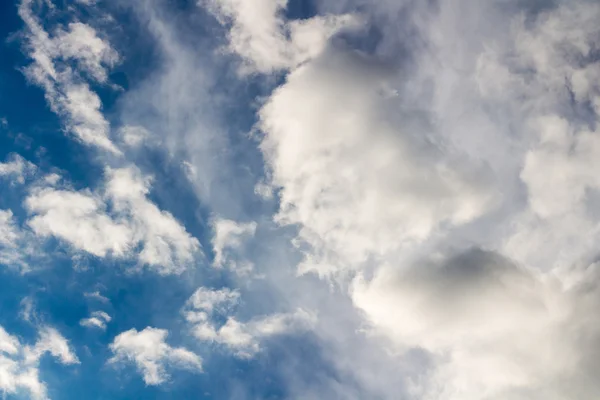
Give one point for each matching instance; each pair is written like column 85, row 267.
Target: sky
column 302, row 199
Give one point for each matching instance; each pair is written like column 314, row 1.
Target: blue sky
column 234, row 199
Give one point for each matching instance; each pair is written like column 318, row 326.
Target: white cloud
column 51, row 341
column 8, row 231
column 495, row 330
column 67, row 94
column 266, row 41
column 16, row 245
column 166, row 245
column 228, row 241
column 19, row 364
column 17, row 168
column 28, row 312
column 544, row 75
column 242, row 338
column 134, row 227
column 367, row 166
column 134, row 136
column 151, row 354
column 359, row 180
column 80, row 219
column 205, row 301
column 93, row 55
column 98, row 319
column 97, row 296
column 8, row 344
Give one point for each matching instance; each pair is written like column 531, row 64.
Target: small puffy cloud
column 98, row 319
column 80, row 219
column 17, row 168
column 134, row 136
column 150, row 353
column 66, row 92
column 19, row 364
column 242, row 338
column 206, row 301
column 166, row 245
column 96, row 296
column 16, row 245
column 135, row 227
column 267, row 42
column 28, row 311
column 263, row 190
column 228, row 242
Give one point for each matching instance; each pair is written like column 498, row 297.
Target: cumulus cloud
column 496, row 330
column 378, row 168
column 266, row 41
column 242, row 338
column 19, row 364
column 544, row 75
column 358, row 180
column 134, row 136
column 67, row 93
column 80, row 219
column 228, row 241
column 165, row 242
column 150, row 353
column 98, row 319
column 17, row 168
column 135, row 227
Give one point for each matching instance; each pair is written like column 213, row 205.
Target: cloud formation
column 19, row 364
column 149, row 352
column 65, row 89
column 433, row 163
column 17, row 168
column 97, row 319
column 358, row 180
column 134, row 226
column 228, row 240
column 266, row 41
column 241, row 338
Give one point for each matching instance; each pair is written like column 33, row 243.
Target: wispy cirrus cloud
column 66, row 90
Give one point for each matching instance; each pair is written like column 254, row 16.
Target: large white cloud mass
column 397, row 178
